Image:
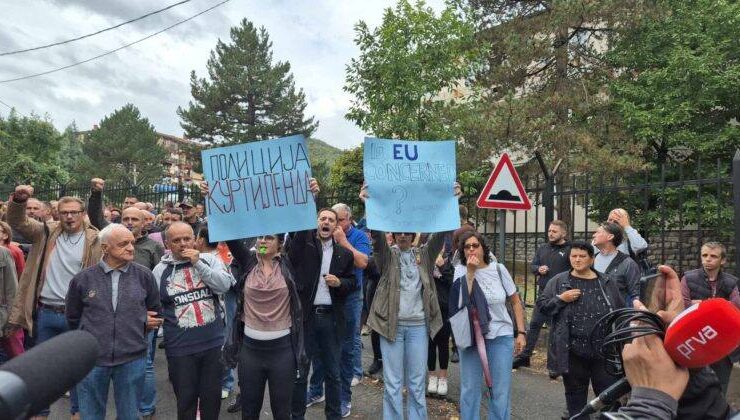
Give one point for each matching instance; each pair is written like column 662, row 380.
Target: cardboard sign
column 259, row 188
column 411, row 185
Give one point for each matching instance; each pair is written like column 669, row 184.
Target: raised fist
column 97, row 184
column 22, row 193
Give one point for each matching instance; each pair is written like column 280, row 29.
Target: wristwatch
column 518, row 333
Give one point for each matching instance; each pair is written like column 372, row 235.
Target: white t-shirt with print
column 496, row 290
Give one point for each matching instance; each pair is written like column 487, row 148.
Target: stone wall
column 679, row 249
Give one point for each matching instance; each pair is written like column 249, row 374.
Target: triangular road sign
column 504, row 189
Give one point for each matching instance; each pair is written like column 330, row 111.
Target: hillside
column 322, row 152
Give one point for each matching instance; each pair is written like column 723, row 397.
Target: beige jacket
column 8, row 285
column 30, row 284
column 383, row 316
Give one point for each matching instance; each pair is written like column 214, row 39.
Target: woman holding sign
column 405, row 312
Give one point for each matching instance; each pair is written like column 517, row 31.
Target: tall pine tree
column 247, row 96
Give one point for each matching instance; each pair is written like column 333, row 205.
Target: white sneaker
column 355, row 381
column 442, row 387
column 433, row 384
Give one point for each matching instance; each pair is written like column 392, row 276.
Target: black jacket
column 551, row 305
column 247, row 261
column 305, row 253
column 699, row 284
column 556, row 257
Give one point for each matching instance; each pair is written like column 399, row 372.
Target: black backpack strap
column 621, row 256
column 40, row 271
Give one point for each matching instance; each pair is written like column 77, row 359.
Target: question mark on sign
column 403, row 195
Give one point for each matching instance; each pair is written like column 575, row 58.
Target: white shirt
column 323, row 297
column 496, row 290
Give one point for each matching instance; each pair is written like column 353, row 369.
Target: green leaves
column 246, row 96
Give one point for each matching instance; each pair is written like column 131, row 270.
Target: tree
column 124, row 147
column 31, row 147
column 543, row 84
column 406, row 70
column 678, row 92
column 247, row 96
column 345, row 178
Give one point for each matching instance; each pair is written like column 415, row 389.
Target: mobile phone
column 652, row 292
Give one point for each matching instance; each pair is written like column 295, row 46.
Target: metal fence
column 676, row 208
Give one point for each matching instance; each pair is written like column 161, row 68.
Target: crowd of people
column 286, row 310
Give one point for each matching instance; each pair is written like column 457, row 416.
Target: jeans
column 196, row 380
column 50, row 324
column 581, row 371
column 227, row 381
column 500, row 354
column 148, row 392
column 127, row 379
column 351, row 352
column 406, row 357
column 533, row 333
column 323, row 343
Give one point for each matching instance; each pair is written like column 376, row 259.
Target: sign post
column 503, row 191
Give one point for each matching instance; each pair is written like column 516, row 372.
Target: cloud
column 315, row 37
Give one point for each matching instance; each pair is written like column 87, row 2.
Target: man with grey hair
column 113, row 301
column 354, row 240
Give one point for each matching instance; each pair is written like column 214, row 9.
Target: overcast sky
column 315, row 36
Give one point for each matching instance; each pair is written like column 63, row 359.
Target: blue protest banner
column 410, row 184
column 258, row 188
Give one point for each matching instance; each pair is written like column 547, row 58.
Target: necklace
column 67, row 237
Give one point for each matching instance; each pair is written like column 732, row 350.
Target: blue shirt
column 360, row 242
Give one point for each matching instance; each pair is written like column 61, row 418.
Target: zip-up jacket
column 550, row 304
column 555, row 257
column 121, row 333
column 190, row 306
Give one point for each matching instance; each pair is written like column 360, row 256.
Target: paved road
column 534, row 396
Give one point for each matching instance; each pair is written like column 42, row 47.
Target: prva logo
column 688, row 347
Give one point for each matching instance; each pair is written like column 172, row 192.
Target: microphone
column 40, row 376
column 704, row 333
column 699, row 336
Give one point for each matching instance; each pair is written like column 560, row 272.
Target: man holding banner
column 411, row 184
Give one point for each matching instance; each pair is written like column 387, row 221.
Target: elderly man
column 60, row 250
column 112, row 300
column 189, row 282
column 350, row 367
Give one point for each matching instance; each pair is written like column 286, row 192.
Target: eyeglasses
column 70, row 213
column 475, row 245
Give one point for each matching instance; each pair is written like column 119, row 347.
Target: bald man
column 189, row 282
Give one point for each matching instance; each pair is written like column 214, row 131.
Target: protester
column 112, row 300
column 405, row 312
column 115, row 215
column 190, row 214
column 8, row 287
column 550, row 259
column 169, row 215
column 485, row 288
column 325, row 276
column 576, row 300
column 710, row 281
column 63, row 249
column 439, row 346
column 616, row 264
column 193, row 328
column 371, row 276
column 6, row 234
column 267, row 335
column 633, row 243
column 204, row 245
column 129, row 201
column 350, row 369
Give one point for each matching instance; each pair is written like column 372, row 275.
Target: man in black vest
column 709, row 282
column 550, row 259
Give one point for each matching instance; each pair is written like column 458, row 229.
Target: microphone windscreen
column 704, row 333
column 53, row 367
